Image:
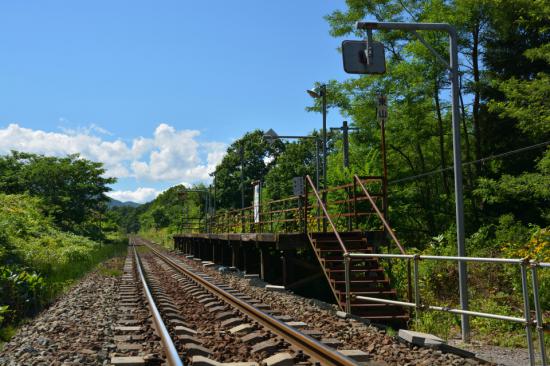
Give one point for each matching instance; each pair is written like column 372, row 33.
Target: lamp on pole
column 321, row 92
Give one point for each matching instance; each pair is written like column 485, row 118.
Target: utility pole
column 325, row 185
column 321, row 92
column 345, row 140
column 214, row 195
column 241, row 154
column 382, row 115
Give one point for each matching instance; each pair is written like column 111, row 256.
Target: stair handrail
column 380, row 215
column 322, row 205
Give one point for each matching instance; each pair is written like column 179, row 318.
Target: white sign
column 257, row 203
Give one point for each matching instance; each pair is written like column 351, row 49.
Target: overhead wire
column 482, row 160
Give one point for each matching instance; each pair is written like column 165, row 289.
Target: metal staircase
column 367, row 276
column 357, row 277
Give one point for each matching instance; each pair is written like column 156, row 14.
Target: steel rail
column 318, row 351
column 170, row 351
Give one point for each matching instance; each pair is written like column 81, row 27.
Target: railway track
column 211, row 323
column 168, row 308
column 140, row 341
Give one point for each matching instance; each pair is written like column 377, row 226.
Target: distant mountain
column 116, row 203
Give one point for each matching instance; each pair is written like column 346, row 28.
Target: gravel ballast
column 76, row 329
column 353, row 334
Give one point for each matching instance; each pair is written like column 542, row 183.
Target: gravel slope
column 75, row 330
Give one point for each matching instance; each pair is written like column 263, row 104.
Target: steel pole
column 538, row 314
column 206, row 212
column 347, row 265
column 241, row 153
column 317, row 181
column 345, row 140
column 317, row 163
column 459, row 198
column 214, row 198
column 527, row 313
column 324, row 95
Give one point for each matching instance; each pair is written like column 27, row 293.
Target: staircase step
column 360, row 282
column 370, row 305
column 333, row 240
column 348, row 235
column 356, row 270
column 386, row 317
column 339, row 250
column 338, row 258
column 363, row 286
column 369, row 293
column 356, row 275
column 368, row 273
column 339, row 264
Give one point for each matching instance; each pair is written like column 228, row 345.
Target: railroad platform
column 303, row 242
column 281, row 241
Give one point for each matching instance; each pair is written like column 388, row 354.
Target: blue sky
column 156, row 90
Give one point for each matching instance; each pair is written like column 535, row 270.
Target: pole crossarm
column 291, row 137
column 444, row 27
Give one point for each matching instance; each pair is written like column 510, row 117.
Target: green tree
column 125, row 217
column 502, row 48
column 72, row 188
column 258, row 157
column 297, row 160
column 524, row 89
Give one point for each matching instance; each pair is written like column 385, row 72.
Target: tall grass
column 39, row 261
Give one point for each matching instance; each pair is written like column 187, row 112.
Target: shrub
column 37, row 260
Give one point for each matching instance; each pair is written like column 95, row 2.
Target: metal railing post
column 355, row 204
column 538, row 313
column 418, row 305
column 409, row 281
column 416, row 281
column 347, row 265
column 306, row 192
column 527, row 311
column 271, row 217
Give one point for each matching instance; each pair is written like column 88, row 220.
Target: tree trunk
column 469, row 177
column 426, row 192
column 476, row 105
column 441, row 139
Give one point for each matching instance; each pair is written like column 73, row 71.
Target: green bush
column 24, row 293
column 37, row 260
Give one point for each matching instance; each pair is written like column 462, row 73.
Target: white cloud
column 169, row 155
column 84, row 130
column 140, row 195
